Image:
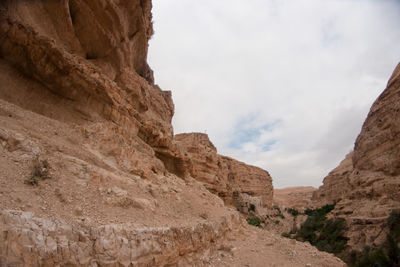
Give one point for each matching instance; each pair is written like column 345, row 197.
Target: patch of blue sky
column 243, row 136
column 247, row 131
column 269, row 145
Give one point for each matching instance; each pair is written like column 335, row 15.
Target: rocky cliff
column 92, row 57
column 80, row 123
column 294, row 197
column 366, row 185
column 90, row 171
column 238, row 184
column 336, row 185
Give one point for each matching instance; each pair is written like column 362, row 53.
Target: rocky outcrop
column 90, row 172
column 237, row 183
column 87, row 208
column 294, row 197
column 336, row 185
column 377, row 148
column 366, row 185
column 92, row 54
column 29, row 241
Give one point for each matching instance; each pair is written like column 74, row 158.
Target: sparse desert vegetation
column 40, row 171
column 92, row 172
column 325, row 234
column 387, row 254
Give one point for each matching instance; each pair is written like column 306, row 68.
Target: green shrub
column 287, row 235
column 293, row 211
column 394, row 223
column 326, row 235
column 308, row 212
column 386, row 255
column 331, row 237
column 252, row 207
column 393, row 249
column 255, row 221
column 393, row 238
column 370, row 257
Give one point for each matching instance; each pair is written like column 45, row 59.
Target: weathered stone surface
column 336, row 184
column 237, row 183
column 377, row 148
column 366, row 185
column 26, row 240
column 93, row 53
column 76, row 91
column 294, row 197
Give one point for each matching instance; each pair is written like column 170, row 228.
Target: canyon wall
column 92, row 56
column 294, row 197
column 237, row 183
column 366, row 185
column 336, row 184
column 90, row 171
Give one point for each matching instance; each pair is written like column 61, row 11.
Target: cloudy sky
column 281, row 84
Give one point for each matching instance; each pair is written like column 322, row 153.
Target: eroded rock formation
column 237, row 183
column 294, row 197
column 77, row 94
column 336, row 184
column 90, row 171
column 366, row 185
column 36, row 241
column 93, row 55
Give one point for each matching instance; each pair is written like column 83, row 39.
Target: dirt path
column 253, row 247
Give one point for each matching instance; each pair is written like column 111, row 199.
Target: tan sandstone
column 366, row 184
column 236, row 182
column 294, row 197
column 90, row 171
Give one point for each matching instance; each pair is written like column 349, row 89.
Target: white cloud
column 284, row 85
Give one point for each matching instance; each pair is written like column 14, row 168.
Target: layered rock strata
column 92, row 55
column 90, row 172
column 31, row 241
column 237, row 183
column 366, row 185
column 336, row 184
column 294, row 197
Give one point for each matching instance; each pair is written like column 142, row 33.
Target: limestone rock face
column 294, row 197
column 336, row 184
column 90, row 173
column 377, row 148
column 236, row 182
column 366, row 185
column 39, row 242
column 94, row 54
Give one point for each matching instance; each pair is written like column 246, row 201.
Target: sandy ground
column 251, row 246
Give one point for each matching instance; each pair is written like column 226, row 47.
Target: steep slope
column 80, row 121
column 93, row 57
column 336, row 184
column 366, row 185
column 90, row 172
